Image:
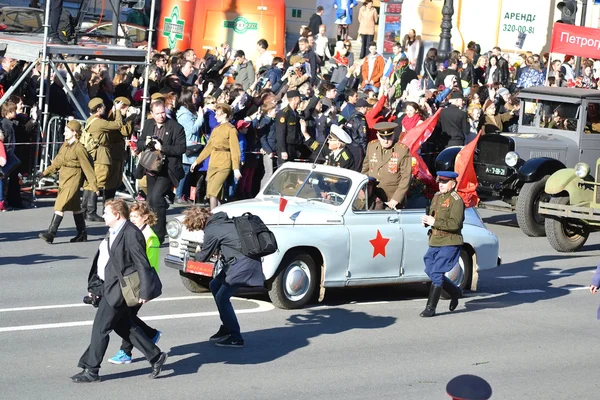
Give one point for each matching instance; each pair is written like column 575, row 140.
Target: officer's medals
column 393, row 164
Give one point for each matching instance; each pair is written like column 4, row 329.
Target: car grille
column 493, row 151
column 190, row 247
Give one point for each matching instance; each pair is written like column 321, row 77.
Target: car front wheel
column 565, row 235
column 195, row 283
column 297, row 282
column 529, row 219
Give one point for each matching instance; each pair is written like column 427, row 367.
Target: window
column 361, row 200
column 550, row 114
column 592, row 123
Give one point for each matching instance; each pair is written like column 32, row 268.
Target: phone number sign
column 523, row 25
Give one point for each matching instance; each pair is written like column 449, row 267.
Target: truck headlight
column 582, row 170
column 173, row 228
column 511, row 158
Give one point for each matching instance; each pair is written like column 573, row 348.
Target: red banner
column 575, row 41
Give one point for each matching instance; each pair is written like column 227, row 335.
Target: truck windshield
column 550, row 114
column 313, row 185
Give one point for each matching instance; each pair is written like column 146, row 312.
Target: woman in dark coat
column 220, row 234
column 430, row 68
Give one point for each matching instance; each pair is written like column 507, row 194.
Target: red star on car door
column 379, row 244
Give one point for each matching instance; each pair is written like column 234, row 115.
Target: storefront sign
column 575, row 40
column 173, row 27
column 240, row 25
column 523, row 25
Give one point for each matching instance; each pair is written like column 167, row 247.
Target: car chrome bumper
column 569, row 211
column 172, row 261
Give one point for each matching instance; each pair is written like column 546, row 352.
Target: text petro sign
column 575, row 40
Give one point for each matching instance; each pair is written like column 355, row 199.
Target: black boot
column 93, row 208
column 84, row 203
column 50, row 234
column 454, row 291
column 432, row 301
column 81, row 231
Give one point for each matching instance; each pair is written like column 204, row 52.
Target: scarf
column 410, row 122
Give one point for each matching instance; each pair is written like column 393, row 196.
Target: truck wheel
column 296, row 284
column 195, row 283
column 563, row 235
column 529, row 219
column 461, row 273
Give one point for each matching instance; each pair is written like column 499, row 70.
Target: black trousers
column 56, row 7
column 118, row 319
column 127, row 346
column 366, row 40
column 157, row 188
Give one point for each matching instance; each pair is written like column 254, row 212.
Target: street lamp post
column 445, row 46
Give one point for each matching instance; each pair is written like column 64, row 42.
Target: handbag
column 12, row 162
column 130, row 284
column 194, row 149
column 151, row 160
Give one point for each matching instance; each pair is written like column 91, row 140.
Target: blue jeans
column 183, row 189
column 2, row 189
column 222, row 293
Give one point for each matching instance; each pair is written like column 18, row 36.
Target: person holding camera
column 166, row 136
column 121, row 254
column 445, row 219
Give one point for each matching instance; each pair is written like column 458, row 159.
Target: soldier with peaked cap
column 469, row 387
column 287, row 128
column 390, row 163
column 96, row 142
column 73, row 163
column 336, row 154
column 445, row 219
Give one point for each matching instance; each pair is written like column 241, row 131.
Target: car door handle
column 392, row 220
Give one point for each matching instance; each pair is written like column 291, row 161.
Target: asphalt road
column 530, row 330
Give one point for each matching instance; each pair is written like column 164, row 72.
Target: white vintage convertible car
column 328, row 237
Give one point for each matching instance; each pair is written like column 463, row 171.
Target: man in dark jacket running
column 220, row 234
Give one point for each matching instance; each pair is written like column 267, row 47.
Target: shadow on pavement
column 34, row 259
column 502, row 219
column 300, row 328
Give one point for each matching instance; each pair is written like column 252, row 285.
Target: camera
column 91, row 300
column 262, row 81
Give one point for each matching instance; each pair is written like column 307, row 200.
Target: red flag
column 415, row 137
column 466, row 183
column 282, row 204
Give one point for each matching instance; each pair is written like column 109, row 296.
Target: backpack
column 256, row 239
column 86, row 138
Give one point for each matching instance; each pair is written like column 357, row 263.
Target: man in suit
column 453, row 121
column 168, row 137
column 122, row 253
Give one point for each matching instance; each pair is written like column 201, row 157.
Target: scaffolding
column 35, row 49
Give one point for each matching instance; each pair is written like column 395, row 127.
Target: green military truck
column 573, row 210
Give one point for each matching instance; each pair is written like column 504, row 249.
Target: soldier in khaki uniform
column 97, row 143
column 390, row 163
column 72, row 160
column 117, row 150
column 223, row 148
column 445, row 217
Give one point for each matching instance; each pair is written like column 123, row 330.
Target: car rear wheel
column 195, row 283
column 461, row 273
column 297, row 282
column 529, row 219
column 565, row 235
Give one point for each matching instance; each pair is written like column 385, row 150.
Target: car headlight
column 582, row 170
column 511, row 158
column 173, row 228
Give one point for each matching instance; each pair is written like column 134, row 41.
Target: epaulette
column 374, row 141
column 345, row 156
column 314, row 145
column 456, row 196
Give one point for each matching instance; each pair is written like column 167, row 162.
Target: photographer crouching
column 120, row 257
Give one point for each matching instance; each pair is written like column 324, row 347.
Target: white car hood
column 297, row 211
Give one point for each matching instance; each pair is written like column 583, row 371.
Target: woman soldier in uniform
column 99, row 131
column 223, row 148
column 72, row 159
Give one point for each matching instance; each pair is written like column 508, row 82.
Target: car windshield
column 310, row 185
column 550, row 114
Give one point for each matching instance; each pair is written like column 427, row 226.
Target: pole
column 445, row 46
column 549, row 64
column 148, row 58
column 16, row 85
column 581, row 23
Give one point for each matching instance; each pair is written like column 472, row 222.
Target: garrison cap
column 447, row 175
column 74, row 125
column 292, row 94
column 362, row 103
column 157, row 96
column 95, row 102
column 385, row 129
column 123, row 100
column 469, row 387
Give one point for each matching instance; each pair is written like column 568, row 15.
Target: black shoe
column 50, row 234
column 157, row 366
column 81, row 230
column 221, row 335
column 86, row 376
column 95, row 218
column 454, row 291
column 231, row 342
column 432, row 301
